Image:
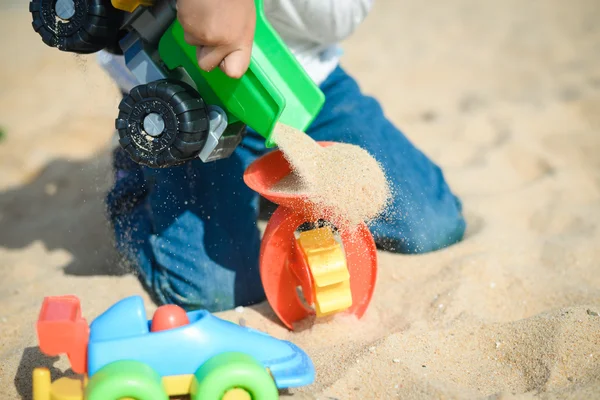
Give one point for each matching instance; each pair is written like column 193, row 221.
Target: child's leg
column 190, row 231
column 426, row 215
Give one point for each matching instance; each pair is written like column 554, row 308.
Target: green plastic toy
column 178, row 111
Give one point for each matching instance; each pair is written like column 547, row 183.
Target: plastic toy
column 334, row 271
column 179, row 112
column 123, row 355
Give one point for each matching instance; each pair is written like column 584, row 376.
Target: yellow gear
column 327, row 263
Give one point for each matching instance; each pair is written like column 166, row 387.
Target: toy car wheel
column 162, row 123
column 233, row 376
column 126, row 379
column 76, row 26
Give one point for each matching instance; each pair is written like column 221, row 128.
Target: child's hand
column 222, row 31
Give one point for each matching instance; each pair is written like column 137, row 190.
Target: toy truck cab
column 179, row 112
column 124, row 355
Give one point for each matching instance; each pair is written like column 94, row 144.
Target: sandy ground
column 504, row 95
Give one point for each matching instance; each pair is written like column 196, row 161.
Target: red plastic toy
column 168, row 316
column 314, row 262
column 62, row 329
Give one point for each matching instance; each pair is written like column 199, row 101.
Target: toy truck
column 123, row 355
column 179, row 112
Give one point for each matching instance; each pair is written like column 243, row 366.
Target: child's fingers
column 191, row 39
column 210, row 57
column 236, row 63
column 233, row 63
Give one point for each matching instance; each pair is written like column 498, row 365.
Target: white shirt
column 312, row 29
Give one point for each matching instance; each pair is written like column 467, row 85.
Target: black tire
column 93, row 26
column 185, row 118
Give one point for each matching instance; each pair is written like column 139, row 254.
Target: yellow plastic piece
column 41, row 384
column 236, row 394
column 73, row 388
column 64, row 388
column 177, row 385
column 131, row 5
column 67, row 389
column 327, row 263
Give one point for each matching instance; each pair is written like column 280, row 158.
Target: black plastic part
column 232, row 137
column 185, row 116
column 115, row 47
column 93, row 27
column 307, row 226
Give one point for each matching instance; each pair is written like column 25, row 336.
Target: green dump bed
column 274, row 89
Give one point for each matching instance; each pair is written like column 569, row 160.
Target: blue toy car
column 124, row 355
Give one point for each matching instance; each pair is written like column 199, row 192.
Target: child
column 190, row 231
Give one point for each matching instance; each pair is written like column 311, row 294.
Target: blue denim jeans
column 190, row 231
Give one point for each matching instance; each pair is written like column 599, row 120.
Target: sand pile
column 344, row 181
column 505, row 96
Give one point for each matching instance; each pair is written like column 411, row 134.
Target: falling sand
column 344, row 181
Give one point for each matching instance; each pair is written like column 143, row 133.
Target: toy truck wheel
column 162, row 123
column 233, row 376
column 76, row 26
column 126, row 379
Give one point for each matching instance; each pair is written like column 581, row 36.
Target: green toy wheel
column 233, row 376
column 126, row 379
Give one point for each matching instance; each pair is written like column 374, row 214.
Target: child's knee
column 192, row 295
column 444, row 232
column 214, row 293
column 420, row 232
